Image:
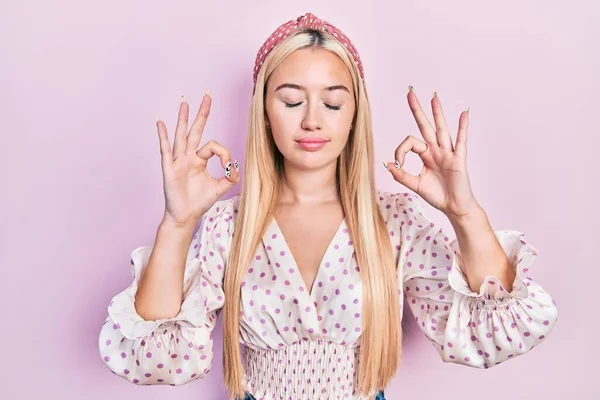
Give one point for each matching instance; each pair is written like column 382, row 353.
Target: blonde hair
column 380, row 342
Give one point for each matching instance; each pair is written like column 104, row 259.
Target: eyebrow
column 298, row 87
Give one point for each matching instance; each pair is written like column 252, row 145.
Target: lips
column 312, row 140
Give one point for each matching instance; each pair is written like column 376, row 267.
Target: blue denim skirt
column 380, row 396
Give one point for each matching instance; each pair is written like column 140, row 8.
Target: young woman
column 310, row 263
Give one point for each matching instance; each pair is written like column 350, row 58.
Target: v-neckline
column 296, row 268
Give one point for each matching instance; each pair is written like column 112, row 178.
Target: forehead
column 311, row 67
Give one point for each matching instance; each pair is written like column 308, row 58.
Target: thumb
column 401, row 176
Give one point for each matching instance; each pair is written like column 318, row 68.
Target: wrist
column 475, row 217
column 175, row 228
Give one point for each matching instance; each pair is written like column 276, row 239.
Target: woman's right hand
column 189, row 189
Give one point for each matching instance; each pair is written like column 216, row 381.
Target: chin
column 308, row 160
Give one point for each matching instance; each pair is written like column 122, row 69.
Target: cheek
column 283, row 120
column 339, row 124
column 283, row 134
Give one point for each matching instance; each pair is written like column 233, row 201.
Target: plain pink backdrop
column 82, row 82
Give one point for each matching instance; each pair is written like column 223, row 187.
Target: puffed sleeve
column 178, row 350
column 475, row 329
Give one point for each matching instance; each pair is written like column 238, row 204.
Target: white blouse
column 304, row 345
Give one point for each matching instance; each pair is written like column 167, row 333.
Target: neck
column 309, row 186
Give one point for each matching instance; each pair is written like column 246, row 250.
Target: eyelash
column 292, row 105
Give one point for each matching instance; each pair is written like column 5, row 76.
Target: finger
column 165, row 146
column 181, row 129
column 410, row 143
column 461, row 137
column 422, row 122
column 232, row 176
column 441, row 129
column 403, row 177
column 197, row 128
column 212, row 148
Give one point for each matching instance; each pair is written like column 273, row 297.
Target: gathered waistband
column 305, row 370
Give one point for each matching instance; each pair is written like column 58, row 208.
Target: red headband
column 308, row 20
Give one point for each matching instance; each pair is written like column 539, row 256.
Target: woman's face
column 310, row 107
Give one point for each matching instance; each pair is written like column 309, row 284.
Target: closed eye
column 292, row 105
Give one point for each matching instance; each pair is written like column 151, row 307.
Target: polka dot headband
column 308, row 20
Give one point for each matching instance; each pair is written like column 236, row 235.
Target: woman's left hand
column 444, row 181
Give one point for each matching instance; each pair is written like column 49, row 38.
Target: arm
column 179, row 348
column 478, row 329
column 160, row 291
column 481, row 252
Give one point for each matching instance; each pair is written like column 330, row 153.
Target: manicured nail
column 236, row 165
column 411, row 88
column 397, row 163
column 228, row 169
column 183, row 99
column 435, row 94
column 207, row 92
column 385, row 165
column 469, row 110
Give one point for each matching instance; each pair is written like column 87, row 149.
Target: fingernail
column 411, row 88
column 183, row 99
column 397, row 163
column 157, row 119
column 469, row 110
column 385, row 165
column 435, row 94
column 236, row 165
column 207, row 92
column 228, row 169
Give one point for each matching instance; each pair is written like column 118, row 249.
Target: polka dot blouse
column 301, row 344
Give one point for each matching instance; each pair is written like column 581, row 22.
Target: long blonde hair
column 380, row 342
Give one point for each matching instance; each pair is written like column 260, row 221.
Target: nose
column 312, row 119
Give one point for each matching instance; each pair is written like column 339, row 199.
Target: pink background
column 81, row 179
